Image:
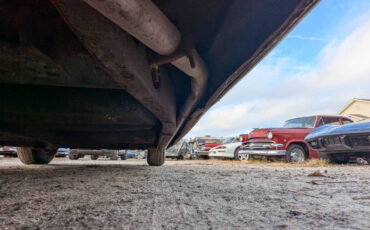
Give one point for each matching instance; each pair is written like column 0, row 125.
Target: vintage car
column 203, row 151
column 180, row 151
column 245, row 136
column 338, row 144
column 229, row 150
column 288, row 141
column 8, row 151
column 132, row 74
column 75, row 154
column 62, row 152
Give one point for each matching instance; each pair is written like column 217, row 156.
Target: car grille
column 359, row 140
column 335, row 140
column 257, row 145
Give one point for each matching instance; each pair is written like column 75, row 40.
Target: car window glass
column 346, row 121
column 331, row 120
column 321, row 122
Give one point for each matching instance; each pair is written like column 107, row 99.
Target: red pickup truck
column 288, row 141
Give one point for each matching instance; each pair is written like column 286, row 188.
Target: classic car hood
column 262, row 133
column 328, row 130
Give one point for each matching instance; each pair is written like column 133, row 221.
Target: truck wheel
column 335, row 158
column 242, row 157
column 155, row 157
column 29, row 155
column 295, row 154
column 94, row 157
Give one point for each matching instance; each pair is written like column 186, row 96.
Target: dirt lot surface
column 129, row 194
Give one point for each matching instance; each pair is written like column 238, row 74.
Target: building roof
column 353, row 101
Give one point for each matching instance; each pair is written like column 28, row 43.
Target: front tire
column 29, row 155
column 94, row 157
column 238, row 157
column 155, row 157
column 296, row 154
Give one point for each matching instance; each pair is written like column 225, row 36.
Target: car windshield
column 302, row 122
column 228, row 140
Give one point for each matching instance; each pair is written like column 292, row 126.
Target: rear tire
column 155, row 157
column 29, row 155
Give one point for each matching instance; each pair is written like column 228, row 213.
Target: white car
column 227, row 150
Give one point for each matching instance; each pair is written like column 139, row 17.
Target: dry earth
column 105, row 194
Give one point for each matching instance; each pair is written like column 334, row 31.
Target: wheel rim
column 243, row 157
column 297, row 155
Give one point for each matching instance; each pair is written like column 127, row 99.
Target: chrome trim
column 264, row 152
column 261, row 145
column 202, row 153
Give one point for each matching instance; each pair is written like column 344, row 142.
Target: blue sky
column 320, row 66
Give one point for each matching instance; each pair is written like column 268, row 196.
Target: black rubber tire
column 236, row 155
column 73, row 155
column 94, row 157
column 341, row 158
column 291, row 148
column 155, row 157
column 29, row 155
column 124, row 156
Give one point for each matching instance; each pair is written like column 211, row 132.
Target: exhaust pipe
column 144, row 21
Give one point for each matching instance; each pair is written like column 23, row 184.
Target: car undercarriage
column 134, row 74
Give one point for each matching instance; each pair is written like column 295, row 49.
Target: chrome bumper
column 263, row 152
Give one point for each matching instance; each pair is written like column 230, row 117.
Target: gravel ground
column 105, row 194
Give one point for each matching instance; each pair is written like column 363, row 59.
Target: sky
column 317, row 68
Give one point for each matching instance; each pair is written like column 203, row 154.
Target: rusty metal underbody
column 80, row 74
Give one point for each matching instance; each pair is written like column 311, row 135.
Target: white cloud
column 307, row 38
column 270, row 94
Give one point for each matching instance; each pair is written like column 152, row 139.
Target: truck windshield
column 301, row 122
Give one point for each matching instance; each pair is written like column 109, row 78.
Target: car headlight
column 269, row 135
column 221, row 147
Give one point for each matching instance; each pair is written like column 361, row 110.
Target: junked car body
column 228, row 150
column 203, row 152
column 75, row 154
column 180, row 150
column 338, row 144
column 8, row 151
column 288, row 141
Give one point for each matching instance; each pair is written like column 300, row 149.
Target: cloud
column 307, row 38
column 278, row 90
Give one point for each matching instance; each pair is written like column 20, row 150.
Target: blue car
column 338, row 144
